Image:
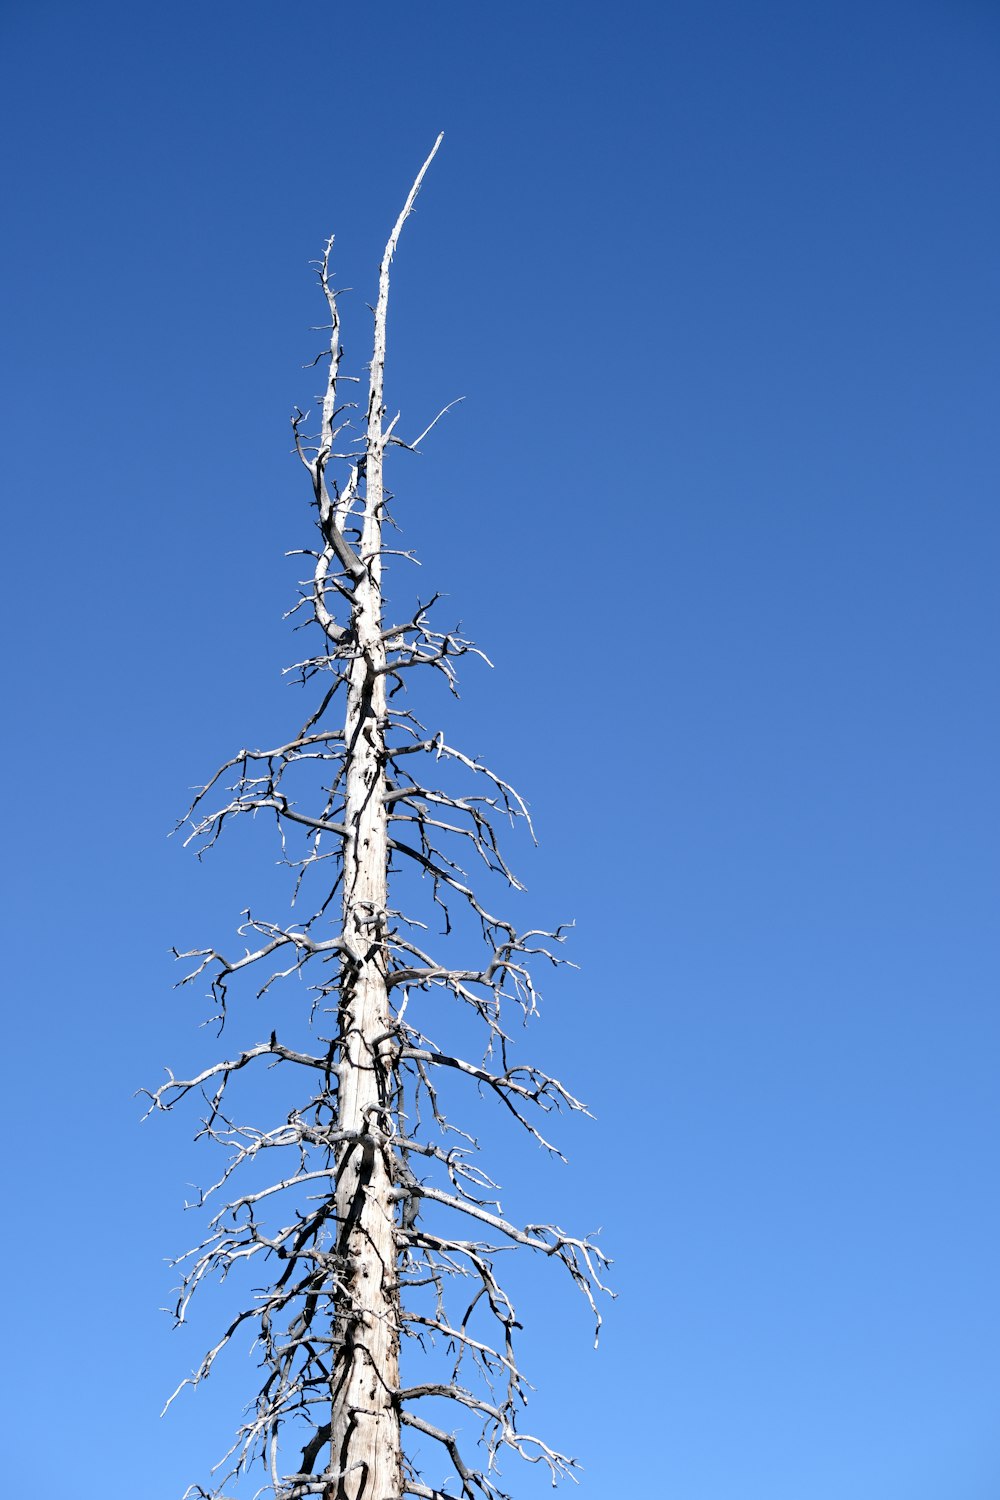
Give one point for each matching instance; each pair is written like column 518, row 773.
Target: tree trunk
column 365, row 1432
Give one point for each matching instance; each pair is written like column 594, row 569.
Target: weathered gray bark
column 358, row 1268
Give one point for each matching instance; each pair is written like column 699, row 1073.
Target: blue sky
column 719, row 284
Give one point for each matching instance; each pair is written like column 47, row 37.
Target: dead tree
column 377, row 1225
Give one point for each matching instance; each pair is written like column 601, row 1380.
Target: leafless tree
column 377, row 1223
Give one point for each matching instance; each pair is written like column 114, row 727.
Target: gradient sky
column 719, row 283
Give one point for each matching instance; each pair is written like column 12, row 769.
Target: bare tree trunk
column 365, row 1437
column 365, row 1445
column 365, row 1452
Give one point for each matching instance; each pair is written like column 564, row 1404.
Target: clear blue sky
column 720, row 284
